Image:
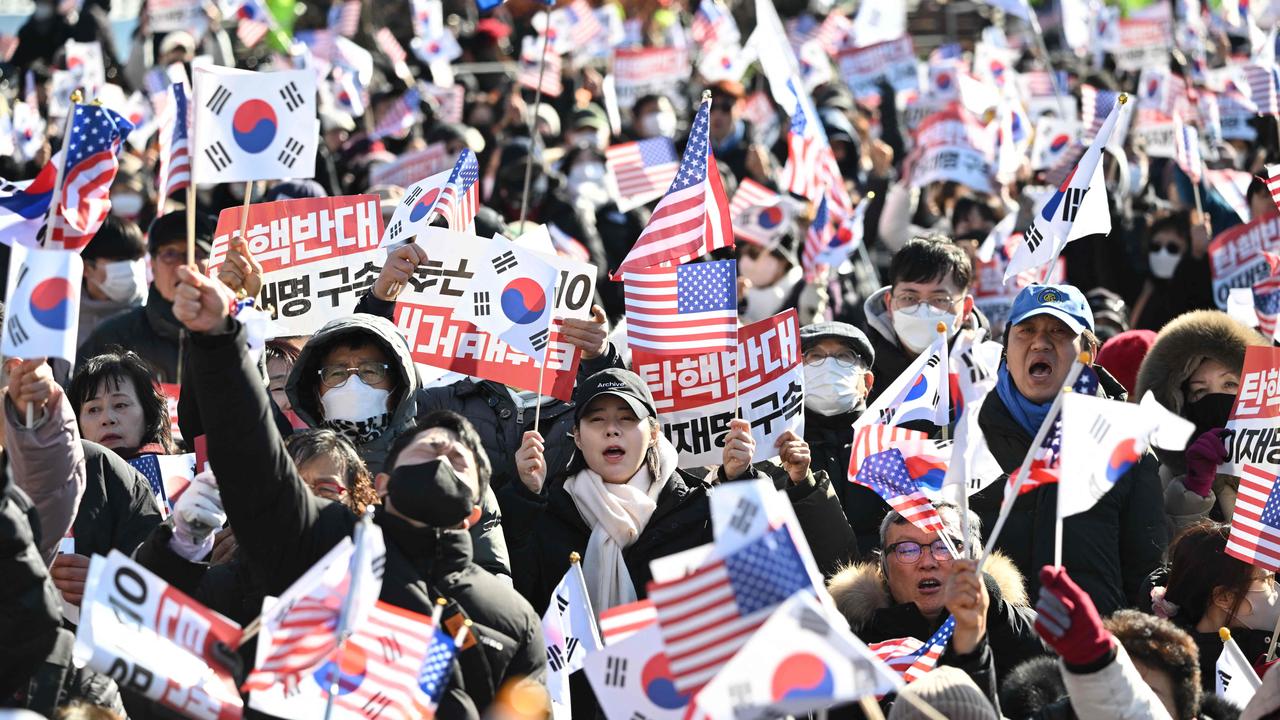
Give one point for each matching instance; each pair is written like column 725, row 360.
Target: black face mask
column 1209, row 412
column 431, row 493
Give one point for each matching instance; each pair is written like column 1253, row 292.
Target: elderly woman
column 1193, row 369
column 119, row 405
column 1109, row 549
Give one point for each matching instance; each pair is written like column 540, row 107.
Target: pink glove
column 1067, row 619
column 1203, row 458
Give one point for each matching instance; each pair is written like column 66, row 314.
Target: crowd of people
column 483, row 491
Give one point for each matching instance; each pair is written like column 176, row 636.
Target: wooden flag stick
column 871, row 708
column 244, row 210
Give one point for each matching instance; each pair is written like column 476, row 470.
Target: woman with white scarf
column 622, row 503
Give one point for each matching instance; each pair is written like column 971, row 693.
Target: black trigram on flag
column 411, row 197
column 1099, row 429
column 218, row 100
column 376, row 705
column 562, row 602
column 1071, row 199
column 17, row 333
column 615, row 672
column 379, row 565
column 504, row 262
column 482, row 304
column 1033, row 238
column 538, row 340
column 555, row 658
column 290, row 152
column 1225, row 678
column 292, row 98
column 394, row 230
column 743, row 514
column 218, row 156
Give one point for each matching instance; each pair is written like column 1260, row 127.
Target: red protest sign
column 1255, row 440
column 1236, row 256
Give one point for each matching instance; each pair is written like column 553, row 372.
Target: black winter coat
column 1109, row 550
column 282, row 529
column 830, row 441
column 150, row 330
column 30, row 609
column 117, row 510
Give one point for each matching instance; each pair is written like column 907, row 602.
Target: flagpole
column 244, row 210
column 1011, row 494
column 76, row 98
column 344, row 615
column 1044, row 55
column 533, row 118
column 546, row 351
column 576, row 560
column 871, row 708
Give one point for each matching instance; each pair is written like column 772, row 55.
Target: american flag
column 869, row 440
column 253, row 22
column 684, row 309
column 830, row 33
column 581, row 21
column 1273, row 182
column 1039, row 83
column 93, row 137
column 1264, row 87
column 148, row 466
column 458, row 201
column 449, row 100
column 400, row 117
column 175, row 155
column 344, row 17
column 1045, row 464
column 713, row 24
column 304, row 638
column 530, row 57
column 811, row 170
column 819, row 236
column 643, row 169
column 692, row 219
column 913, row 658
column 433, row 675
column 1255, row 527
column 1266, row 298
column 708, row 615
column 886, row 474
column 391, row 47
column 407, row 663
column 1095, row 106
column 1186, row 149
column 621, row 622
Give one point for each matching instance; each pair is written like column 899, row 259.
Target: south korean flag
column 414, row 211
column 254, row 126
column 511, row 296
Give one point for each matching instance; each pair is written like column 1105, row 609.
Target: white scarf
column 616, row 514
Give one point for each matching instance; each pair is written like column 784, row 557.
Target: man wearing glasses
column 150, row 329
column 916, row 584
column 929, row 281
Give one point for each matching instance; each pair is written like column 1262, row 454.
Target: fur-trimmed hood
column 860, row 590
column 1186, row 342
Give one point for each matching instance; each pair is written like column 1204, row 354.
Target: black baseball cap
column 855, row 339
column 614, row 381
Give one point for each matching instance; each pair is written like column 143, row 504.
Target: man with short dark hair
column 115, row 275
column 929, row 282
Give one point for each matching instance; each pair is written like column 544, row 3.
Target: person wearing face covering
column 431, row 482
column 770, row 278
column 837, row 377
column 1180, row 278
column 1193, row 369
column 115, row 275
column 654, row 116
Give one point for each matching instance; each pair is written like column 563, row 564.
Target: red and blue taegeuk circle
column 254, row 126
column 351, row 670
column 1122, row 458
column 51, row 304
column 770, row 217
column 659, row 686
column 523, row 301
column 802, row 675
column 917, row 389
column 424, row 204
column 1059, row 142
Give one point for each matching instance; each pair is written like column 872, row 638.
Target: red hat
column 493, row 28
column 1122, row 355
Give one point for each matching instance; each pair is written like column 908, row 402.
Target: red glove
column 1203, row 458
column 1068, row 621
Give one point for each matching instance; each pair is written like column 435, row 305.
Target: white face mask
column 1163, row 263
column 124, row 279
column 589, row 139
column 918, row 330
column 1264, row 609
column 126, row 205
column 657, row 124
column 354, row 401
column 830, row 389
column 586, row 181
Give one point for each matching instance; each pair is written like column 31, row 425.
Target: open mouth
column 614, row 453
column 1040, row 369
column 929, row 586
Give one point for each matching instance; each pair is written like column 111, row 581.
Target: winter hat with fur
column 1186, row 342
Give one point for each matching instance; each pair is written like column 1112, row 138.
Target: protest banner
column 1157, row 132
column 695, row 394
column 1143, row 44
column 646, row 71
column 1236, row 256
column 1255, row 417
column 918, row 109
column 425, row 314
column 156, row 641
column 164, row 16
column 952, row 146
column 894, row 61
column 318, row 255
column 412, row 167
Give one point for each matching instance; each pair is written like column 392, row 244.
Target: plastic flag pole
column 546, row 352
column 1011, row 494
column 344, row 615
column 533, row 116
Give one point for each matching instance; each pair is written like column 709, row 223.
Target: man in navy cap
column 1110, row 549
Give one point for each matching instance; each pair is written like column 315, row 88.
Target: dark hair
column 456, row 424
column 1160, row 644
column 115, row 367
column 172, row 228
column 930, row 258
column 1031, row 686
column 578, row 462
column 117, row 239
column 966, row 205
column 1198, row 566
column 278, row 349
column 1179, row 223
column 307, row 445
column 352, row 340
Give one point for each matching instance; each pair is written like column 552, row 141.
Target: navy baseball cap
column 1064, row 302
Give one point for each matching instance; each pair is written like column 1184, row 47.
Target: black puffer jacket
column 117, row 510
column 150, row 330
column 830, row 441
column 282, row 529
column 1109, row 550
column 30, row 611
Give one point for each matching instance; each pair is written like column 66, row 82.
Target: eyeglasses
column 908, row 552
column 370, row 372
column 843, row 359
column 909, row 301
column 178, row 256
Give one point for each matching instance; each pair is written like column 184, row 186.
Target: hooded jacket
column 303, row 389
column 282, row 529
column 1178, row 350
column 891, row 358
column 862, row 595
column 1109, row 549
column 150, row 330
